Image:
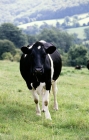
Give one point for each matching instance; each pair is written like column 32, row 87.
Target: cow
column 78, row 67
column 88, row 64
column 40, row 67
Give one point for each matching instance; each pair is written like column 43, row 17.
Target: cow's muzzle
column 38, row 71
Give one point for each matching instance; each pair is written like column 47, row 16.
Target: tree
column 77, row 55
column 88, row 23
column 58, row 24
column 10, row 32
column 76, row 40
column 62, row 40
column 7, row 56
column 31, row 30
column 66, row 41
column 45, row 25
column 67, row 20
column 6, row 46
column 64, row 25
column 32, row 39
column 86, row 31
column 75, row 21
column 75, row 17
column 17, row 56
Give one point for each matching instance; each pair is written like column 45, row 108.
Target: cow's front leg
column 36, row 100
column 45, row 102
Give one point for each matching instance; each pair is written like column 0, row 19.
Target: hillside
column 18, row 11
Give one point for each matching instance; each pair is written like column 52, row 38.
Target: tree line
column 72, row 50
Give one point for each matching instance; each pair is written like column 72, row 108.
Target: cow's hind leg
column 36, row 100
column 54, row 89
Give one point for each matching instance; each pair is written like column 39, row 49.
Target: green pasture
column 18, row 120
column 79, row 31
column 82, row 18
column 39, row 23
column 84, row 21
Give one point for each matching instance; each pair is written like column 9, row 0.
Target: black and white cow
column 40, row 67
column 78, row 67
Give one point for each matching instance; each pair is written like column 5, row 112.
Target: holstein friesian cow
column 78, row 67
column 40, row 67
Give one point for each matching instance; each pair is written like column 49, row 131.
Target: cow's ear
column 50, row 49
column 25, row 50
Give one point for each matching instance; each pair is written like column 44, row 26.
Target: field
column 82, row 18
column 79, row 31
column 39, row 23
column 17, row 109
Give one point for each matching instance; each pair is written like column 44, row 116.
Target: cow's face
column 37, row 53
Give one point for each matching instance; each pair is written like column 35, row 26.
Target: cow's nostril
column 38, row 70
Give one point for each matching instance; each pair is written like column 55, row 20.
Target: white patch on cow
column 36, row 93
column 45, row 102
column 25, row 55
column 40, row 90
column 42, row 41
column 52, row 68
column 36, row 98
column 39, row 47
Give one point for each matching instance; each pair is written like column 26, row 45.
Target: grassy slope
column 17, row 109
column 79, row 31
column 82, row 18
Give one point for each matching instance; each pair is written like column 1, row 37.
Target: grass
column 17, row 109
column 82, row 18
column 39, row 23
column 79, row 31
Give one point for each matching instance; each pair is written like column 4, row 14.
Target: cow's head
column 37, row 54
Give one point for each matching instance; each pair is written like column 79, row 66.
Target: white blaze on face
column 39, row 47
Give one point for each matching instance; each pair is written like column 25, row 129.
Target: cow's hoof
column 38, row 114
column 47, row 115
column 49, row 118
column 56, row 106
